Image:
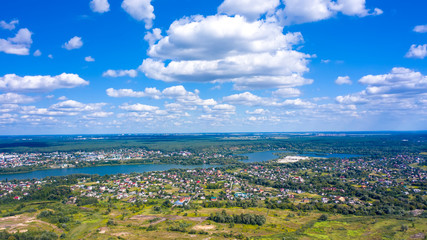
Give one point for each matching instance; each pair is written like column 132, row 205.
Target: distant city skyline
column 142, row 66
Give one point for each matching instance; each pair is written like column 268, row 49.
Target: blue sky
column 154, row 66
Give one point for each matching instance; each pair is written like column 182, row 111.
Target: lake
column 269, row 155
column 140, row 168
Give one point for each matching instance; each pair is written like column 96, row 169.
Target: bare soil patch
column 204, row 227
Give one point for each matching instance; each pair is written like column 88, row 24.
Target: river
column 104, row 170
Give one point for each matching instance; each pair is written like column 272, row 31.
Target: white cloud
column 152, row 37
column 258, row 111
column 220, row 109
column 14, row 98
column 287, row 92
column 148, row 92
column 224, row 108
column 18, row 45
column 73, row 43
column 343, row 80
column 89, row 59
column 13, row 82
column 100, row 6
column 251, row 9
column 32, row 110
column 420, row 29
column 219, row 36
column 351, row 99
column 37, row 53
column 75, row 106
column 302, row 11
column 178, row 93
column 64, row 108
column 402, row 88
column 62, row 98
column 120, row 73
column 250, row 99
column 296, row 103
column 141, row 10
column 138, row 108
column 326, row 61
column 245, row 98
column 182, row 96
column 227, row 49
column 10, row 25
column 399, row 80
column 415, row 51
column 99, row 114
column 4, row 108
column 177, row 107
column 50, row 56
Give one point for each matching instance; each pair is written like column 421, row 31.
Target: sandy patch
column 21, row 222
column 204, row 227
column 103, row 229
column 120, row 234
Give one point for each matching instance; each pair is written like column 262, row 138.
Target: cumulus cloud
column 15, row 83
column 258, row 111
column 18, row 45
column 141, row 10
column 420, row 28
column 227, row 49
column 182, row 96
column 64, row 108
column 148, row 92
column 89, row 59
column 73, row 43
column 251, row 9
column 138, row 107
column 75, row 106
column 100, row 6
column 245, row 98
column 177, row 93
column 99, row 114
column 153, row 36
column 220, row 109
column 287, row 92
column 37, row 53
column 343, row 80
column 296, row 103
column 14, row 98
column 302, row 11
column 120, row 73
column 401, row 88
column 417, row 51
column 250, row 99
column 219, row 36
column 10, row 25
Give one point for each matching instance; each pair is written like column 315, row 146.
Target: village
column 329, row 181
column 77, row 158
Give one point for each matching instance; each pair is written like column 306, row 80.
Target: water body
column 269, row 155
column 260, row 156
column 140, row 168
column 101, row 170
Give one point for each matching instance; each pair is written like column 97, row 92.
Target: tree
column 324, row 217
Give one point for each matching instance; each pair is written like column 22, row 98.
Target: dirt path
column 167, row 217
column 22, row 222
